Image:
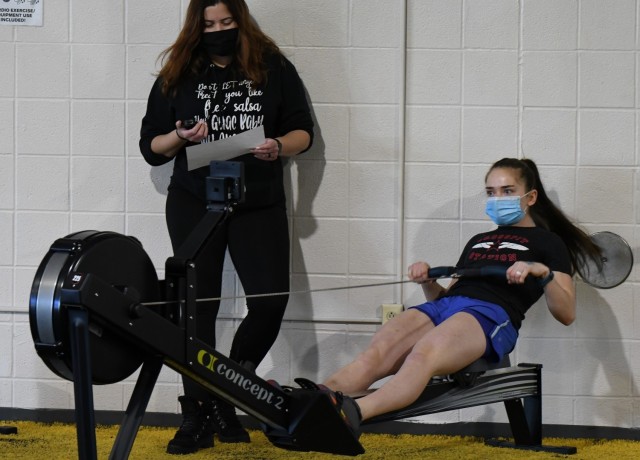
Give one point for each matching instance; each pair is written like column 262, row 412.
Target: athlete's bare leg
column 442, row 350
column 384, row 355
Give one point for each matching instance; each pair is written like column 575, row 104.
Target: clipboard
column 223, row 149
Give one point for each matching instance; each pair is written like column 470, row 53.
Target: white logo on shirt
column 503, row 245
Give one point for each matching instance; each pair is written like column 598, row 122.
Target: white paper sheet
column 202, row 154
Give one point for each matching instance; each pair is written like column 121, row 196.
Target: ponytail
column 547, row 215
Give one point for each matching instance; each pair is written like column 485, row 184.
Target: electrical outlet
column 389, row 310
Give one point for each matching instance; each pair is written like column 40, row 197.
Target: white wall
column 413, row 99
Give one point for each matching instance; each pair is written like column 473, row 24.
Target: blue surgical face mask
column 505, row 210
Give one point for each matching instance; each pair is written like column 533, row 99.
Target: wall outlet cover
column 389, row 310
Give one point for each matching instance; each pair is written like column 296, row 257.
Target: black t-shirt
column 231, row 105
column 504, row 246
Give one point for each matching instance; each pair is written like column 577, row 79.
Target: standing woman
column 226, row 74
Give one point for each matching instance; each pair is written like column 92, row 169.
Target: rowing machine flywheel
column 117, row 259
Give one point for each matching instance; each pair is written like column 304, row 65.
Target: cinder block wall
column 414, row 99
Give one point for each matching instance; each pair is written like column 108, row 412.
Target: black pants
column 258, row 243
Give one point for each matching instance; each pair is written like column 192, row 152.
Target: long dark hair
column 185, row 57
column 547, row 215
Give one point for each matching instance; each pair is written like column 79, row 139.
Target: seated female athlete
column 473, row 317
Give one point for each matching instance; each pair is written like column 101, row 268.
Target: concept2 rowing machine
column 98, row 312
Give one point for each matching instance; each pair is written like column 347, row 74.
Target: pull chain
column 273, row 294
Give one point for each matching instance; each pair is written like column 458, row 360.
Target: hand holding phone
column 189, row 123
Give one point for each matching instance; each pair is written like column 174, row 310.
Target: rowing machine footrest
column 314, row 425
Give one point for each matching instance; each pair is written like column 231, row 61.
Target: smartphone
column 188, row 124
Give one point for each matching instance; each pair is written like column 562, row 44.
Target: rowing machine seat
column 467, row 376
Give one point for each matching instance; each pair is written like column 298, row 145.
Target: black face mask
column 220, row 43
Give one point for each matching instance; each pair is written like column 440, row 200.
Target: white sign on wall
column 21, row 12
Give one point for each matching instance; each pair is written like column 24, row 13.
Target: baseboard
column 477, row 429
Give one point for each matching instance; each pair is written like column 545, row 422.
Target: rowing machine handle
column 440, row 272
column 498, row 271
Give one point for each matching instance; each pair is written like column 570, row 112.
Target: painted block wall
column 413, row 99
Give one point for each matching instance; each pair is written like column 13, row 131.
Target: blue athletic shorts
column 500, row 333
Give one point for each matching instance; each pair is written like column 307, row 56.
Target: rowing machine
column 93, row 321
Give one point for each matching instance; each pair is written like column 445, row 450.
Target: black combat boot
column 196, row 431
column 225, row 422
